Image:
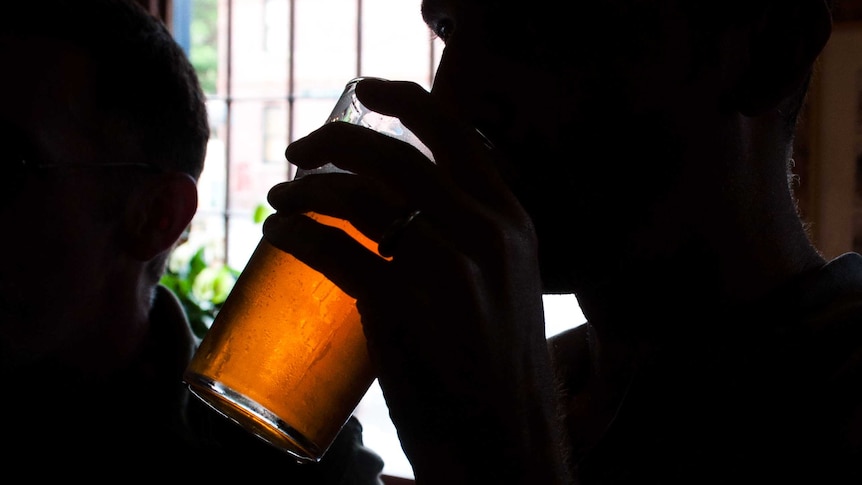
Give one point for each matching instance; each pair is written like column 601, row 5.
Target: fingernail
column 277, row 191
column 369, row 90
column 291, row 150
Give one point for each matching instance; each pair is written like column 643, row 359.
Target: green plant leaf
column 198, row 263
column 201, row 286
column 222, row 284
column 261, row 211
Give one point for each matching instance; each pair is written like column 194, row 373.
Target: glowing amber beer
column 286, row 357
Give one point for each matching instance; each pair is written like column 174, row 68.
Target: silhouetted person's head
column 104, row 133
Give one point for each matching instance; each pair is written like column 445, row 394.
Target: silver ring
column 485, row 141
column 392, row 233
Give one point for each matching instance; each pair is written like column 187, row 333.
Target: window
column 274, row 32
column 272, row 70
column 274, row 132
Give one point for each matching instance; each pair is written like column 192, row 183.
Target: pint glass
column 286, row 357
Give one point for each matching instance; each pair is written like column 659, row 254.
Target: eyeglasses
column 14, row 173
column 24, row 165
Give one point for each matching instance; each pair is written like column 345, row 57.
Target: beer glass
column 286, row 357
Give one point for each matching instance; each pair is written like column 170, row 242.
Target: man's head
column 612, row 113
column 146, row 90
column 104, row 132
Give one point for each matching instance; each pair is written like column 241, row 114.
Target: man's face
column 56, row 249
column 590, row 109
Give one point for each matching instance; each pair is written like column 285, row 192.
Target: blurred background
column 272, row 70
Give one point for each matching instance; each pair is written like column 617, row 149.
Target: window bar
column 358, row 37
column 228, row 114
column 291, row 85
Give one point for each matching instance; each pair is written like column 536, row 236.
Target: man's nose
column 464, row 77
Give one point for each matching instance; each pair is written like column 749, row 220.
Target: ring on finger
column 393, row 233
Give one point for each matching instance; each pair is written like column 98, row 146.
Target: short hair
column 145, row 85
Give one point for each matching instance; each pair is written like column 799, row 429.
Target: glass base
column 254, row 418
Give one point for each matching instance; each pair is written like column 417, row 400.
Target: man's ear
column 785, row 42
column 160, row 212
